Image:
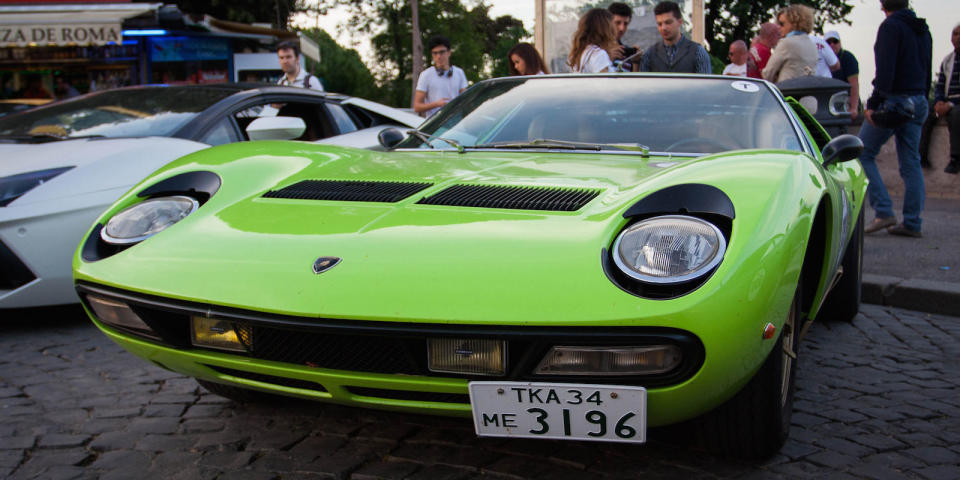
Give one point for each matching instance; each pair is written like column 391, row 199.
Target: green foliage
column 729, row 20
column 341, row 69
column 480, row 43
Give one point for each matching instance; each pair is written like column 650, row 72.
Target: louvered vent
column 517, row 198
column 348, row 191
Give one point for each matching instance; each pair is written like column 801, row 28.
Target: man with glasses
column 440, row 83
column 849, row 71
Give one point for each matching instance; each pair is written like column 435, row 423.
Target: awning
column 66, row 25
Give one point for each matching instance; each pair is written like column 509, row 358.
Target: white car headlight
column 147, row 218
column 669, row 249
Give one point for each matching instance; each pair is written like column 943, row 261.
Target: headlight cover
column 146, row 219
column 14, row 186
column 669, row 249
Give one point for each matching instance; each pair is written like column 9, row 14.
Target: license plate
column 570, row 411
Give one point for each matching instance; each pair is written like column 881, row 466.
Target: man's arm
column 418, row 102
column 854, row 101
column 703, row 61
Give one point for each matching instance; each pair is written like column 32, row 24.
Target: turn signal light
column 610, row 361
column 119, row 315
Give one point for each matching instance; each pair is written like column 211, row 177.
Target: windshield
column 136, row 112
column 664, row 114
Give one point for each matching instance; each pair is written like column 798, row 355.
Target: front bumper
column 380, row 364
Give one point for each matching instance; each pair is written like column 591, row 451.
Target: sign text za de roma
column 23, row 35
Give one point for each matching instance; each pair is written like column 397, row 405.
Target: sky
column 858, row 37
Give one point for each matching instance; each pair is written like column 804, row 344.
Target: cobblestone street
column 878, row 399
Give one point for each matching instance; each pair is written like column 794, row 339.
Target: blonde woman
column 795, row 55
column 596, row 37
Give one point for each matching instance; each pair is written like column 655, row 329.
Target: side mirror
column 841, row 149
column 276, row 128
column 390, row 137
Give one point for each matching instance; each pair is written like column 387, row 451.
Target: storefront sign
column 72, row 34
column 185, row 49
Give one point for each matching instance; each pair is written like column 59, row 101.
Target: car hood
column 245, row 250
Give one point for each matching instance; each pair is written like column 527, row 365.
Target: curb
column 922, row 295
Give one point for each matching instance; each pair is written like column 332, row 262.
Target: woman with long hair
column 795, row 55
column 595, row 38
column 525, row 60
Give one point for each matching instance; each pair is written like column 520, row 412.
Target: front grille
column 411, row 395
column 271, row 379
column 395, row 347
column 13, row 272
column 348, row 191
column 511, row 197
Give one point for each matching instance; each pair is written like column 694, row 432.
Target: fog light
column 646, row 360
column 220, row 334
column 472, row 357
column 118, row 314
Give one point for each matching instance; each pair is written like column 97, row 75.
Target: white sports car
column 63, row 164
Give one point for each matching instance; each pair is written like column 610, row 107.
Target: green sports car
column 565, row 257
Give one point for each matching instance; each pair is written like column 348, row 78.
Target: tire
column 843, row 302
column 755, row 423
column 237, row 394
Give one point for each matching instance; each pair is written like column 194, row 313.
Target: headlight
column 147, row 218
column 12, row 187
column 669, row 249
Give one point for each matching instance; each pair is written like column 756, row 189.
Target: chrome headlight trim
column 115, row 240
column 700, row 270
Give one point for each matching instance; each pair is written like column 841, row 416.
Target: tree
column 479, row 43
column 729, row 20
column 341, row 69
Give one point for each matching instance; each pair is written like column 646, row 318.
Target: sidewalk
column 917, row 273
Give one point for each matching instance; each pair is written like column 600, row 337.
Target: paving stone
column 128, row 461
column 878, row 442
column 441, row 472
column 934, row 455
column 157, row 425
column 11, row 458
column 114, row 441
column 879, row 472
column 940, row 472
column 17, row 442
column 229, row 461
column 385, row 471
column 832, row 459
column 62, row 440
column 204, row 425
column 163, row 410
column 163, row 443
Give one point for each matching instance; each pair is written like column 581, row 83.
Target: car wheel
column 756, row 421
column 237, row 394
column 843, row 302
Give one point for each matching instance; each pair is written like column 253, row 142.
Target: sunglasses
column 448, row 73
column 831, row 41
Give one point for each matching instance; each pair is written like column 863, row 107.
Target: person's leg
column 953, row 125
column 928, row 126
column 873, row 139
column 908, row 155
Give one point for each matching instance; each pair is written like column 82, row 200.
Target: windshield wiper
column 565, row 145
column 427, row 138
column 42, row 138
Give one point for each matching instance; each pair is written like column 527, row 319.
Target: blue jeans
column 908, row 155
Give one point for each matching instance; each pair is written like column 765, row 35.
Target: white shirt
column 825, row 56
column 594, row 60
column 734, row 69
column 437, row 86
column 301, row 77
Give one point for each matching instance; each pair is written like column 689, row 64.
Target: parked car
column 14, row 105
column 563, row 257
column 64, row 163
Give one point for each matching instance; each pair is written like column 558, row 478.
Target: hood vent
column 348, row 191
column 515, row 198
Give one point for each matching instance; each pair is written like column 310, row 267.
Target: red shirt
column 759, row 56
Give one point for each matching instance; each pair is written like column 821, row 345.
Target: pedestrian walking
column 524, row 59
column 288, row 53
column 441, row 82
column 849, row 71
column 946, row 95
column 795, row 55
column 593, row 42
column 674, row 52
column 761, row 48
column 898, row 107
